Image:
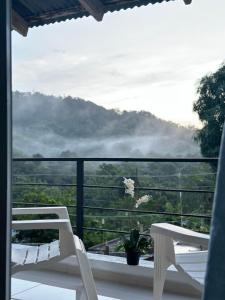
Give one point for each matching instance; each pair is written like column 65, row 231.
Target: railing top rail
column 121, row 159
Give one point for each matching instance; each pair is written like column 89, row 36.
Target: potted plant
column 136, row 243
column 134, row 246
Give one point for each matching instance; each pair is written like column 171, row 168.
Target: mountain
column 54, row 126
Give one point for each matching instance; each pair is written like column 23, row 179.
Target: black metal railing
column 80, row 206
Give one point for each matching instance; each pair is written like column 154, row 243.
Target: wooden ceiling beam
column 94, row 7
column 187, row 2
column 19, row 24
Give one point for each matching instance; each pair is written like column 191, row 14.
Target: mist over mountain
column 57, row 126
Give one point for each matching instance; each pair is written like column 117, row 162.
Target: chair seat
column 193, row 264
column 24, row 254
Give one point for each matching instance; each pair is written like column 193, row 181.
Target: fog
column 57, row 126
column 49, row 144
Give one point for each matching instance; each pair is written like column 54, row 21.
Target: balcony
column 36, row 285
column 114, row 278
column 85, row 186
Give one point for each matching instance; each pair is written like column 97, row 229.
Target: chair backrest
column 85, row 270
column 61, row 223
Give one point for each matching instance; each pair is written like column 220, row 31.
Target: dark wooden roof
column 30, row 13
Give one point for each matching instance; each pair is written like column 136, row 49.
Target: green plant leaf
column 143, row 244
column 134, row 237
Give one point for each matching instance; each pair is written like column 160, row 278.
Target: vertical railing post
column 5, row 147
column 80, row 198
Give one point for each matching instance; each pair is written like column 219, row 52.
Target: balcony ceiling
column 31, row 13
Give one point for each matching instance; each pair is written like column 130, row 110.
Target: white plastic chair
column 191, row 265
column 35, row 257
column 30, row 257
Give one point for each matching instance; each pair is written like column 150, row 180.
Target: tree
column 210, row 107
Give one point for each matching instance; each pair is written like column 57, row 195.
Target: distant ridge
column 49, row 125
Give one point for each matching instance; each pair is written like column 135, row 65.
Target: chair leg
column 159, row 280
column 80, row 294
column 163, row 258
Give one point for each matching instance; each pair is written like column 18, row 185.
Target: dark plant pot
column 133, row 257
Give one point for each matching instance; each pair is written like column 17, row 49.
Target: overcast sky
column 148, row 58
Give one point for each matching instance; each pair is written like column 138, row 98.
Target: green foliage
column 135, row 242
column 210, row 107
column 49, row 177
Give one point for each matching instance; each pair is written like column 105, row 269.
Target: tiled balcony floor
column 61, row 285
column 25, row 290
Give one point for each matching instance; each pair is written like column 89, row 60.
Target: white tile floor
column 23, row 290
column 27, row 290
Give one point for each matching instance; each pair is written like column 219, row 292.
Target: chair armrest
column 180, row 234
column 60, row 211
column 42, row 224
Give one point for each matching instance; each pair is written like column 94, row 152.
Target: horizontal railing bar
column 43, row 204
column 148, row 212
column 117, row 231
column 116, row 187
column 122, row 210
column 44, row 184
column 55, row 174
column 158, row 176
column 110, row 230
column 122, row 159
column 150, row 189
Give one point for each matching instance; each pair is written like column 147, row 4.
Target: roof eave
column 95, row 8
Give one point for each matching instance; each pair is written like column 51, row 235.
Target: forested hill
column 50, row 125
